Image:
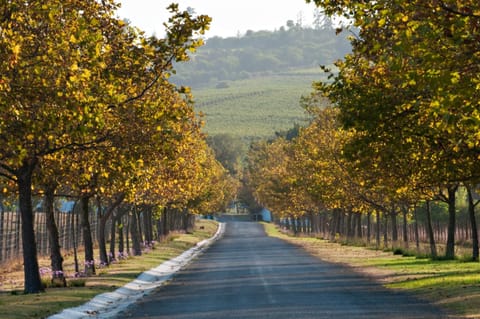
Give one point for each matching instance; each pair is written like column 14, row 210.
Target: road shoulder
column 109, row 304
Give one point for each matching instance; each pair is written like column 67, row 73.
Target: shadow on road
column 249, row 275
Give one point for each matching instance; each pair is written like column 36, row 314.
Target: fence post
column 2, row 233
column 18, row 235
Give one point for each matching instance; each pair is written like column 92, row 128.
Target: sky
column 229, row 18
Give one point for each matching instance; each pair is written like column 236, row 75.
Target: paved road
column 249, row 275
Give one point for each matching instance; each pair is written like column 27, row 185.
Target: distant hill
column 250, row 86
column 257, row 107
column 261, row 53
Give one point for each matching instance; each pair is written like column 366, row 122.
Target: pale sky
column 229, row 17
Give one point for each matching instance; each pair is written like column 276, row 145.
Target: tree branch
column 456, row 11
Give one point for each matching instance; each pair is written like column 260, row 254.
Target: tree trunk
column 33, row 282
column 338, row 223
column 369, row 226
column 74, row 237
column 121, row 243
column 111, row 253
column 58, row 277
column 127, row 232
column 136, row 246
column 377, row 235
column 405, row 225
column 294, row 225
column 393, row 216
column 450, row 250
column 341, row 223
column 147, row 225
column 139, row 225
column 288, row 225
column 323, row 224
column 2, row 220
column 385, row 230
column 315, row 223
column 333, row 224
column 431, row 237
column 358, row 218
column 473, row 222
column 102, row 246
column 185, row 221
column 165, row 229
column 349, row 225
column 417, row 236
column 323, row 220
column 87, row 237
column 121, row 225
column 312, row 223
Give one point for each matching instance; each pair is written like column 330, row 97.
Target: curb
column 109, row 304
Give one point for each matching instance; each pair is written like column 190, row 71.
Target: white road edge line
column 109, row 304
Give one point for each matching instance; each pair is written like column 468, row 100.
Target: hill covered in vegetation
column 256, row 107
column 261, row 53
column 250, row 87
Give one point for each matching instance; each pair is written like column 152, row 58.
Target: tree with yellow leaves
column 410, row 89
column 65, row 67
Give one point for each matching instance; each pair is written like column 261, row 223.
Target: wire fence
column 70, row 234
column 364, row 232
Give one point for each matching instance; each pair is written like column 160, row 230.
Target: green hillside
column 259, row 53
column 256, row 107
column 250, row 86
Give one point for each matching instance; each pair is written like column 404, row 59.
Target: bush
column 53, row 283
column 77, row 282
column 398, row 251
column 404, row 252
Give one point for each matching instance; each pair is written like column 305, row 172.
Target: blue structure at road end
column 266, row 215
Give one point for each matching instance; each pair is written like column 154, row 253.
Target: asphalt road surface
column 249, row 275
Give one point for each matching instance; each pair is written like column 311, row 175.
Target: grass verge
column 15, row 305
column 453, row 285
